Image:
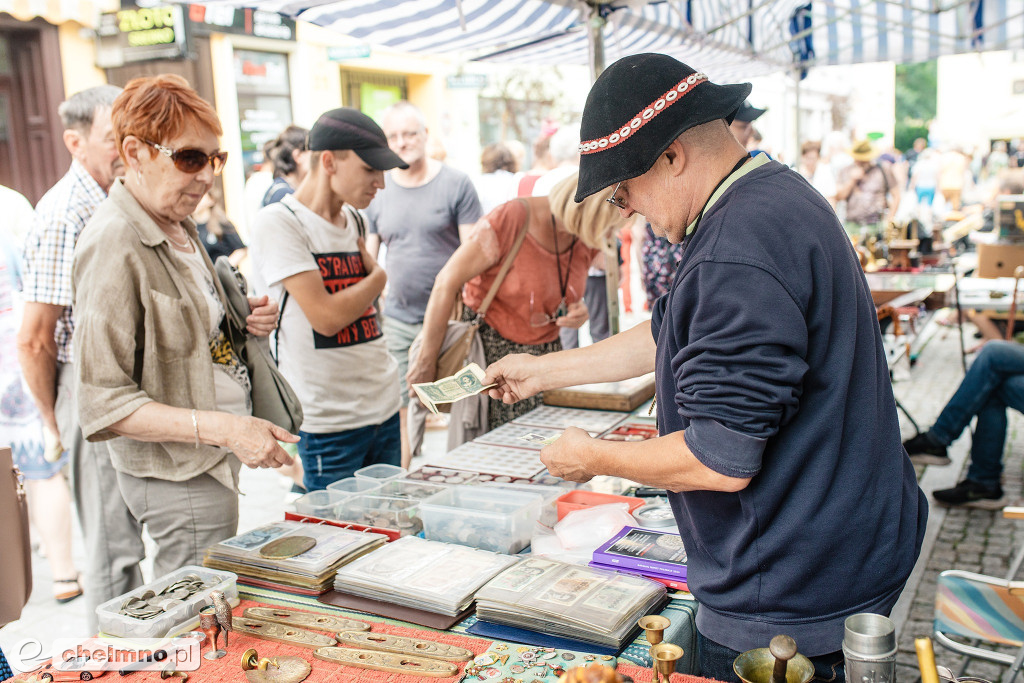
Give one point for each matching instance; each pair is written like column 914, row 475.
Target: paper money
column 469, row 381
column 540, row 438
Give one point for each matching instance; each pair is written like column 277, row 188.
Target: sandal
column 69, row 595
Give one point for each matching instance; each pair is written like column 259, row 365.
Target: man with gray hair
column 420, row 215
column 112, row 538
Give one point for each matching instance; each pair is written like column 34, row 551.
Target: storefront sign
column 339, row 53
column 467, row 82
column 141, row 34
column 207, row 19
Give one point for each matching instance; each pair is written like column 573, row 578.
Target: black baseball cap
column 748, row 112
column 347, row 128
column 637, row 107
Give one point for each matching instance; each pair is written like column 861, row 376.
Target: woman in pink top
column 541, row 292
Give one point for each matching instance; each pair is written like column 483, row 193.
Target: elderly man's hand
column 516, row 377
column 566, row 457
column 255, row 442
column 263, row 316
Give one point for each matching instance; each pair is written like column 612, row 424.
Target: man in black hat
column 779, row 439
column 308, row 252
column 742, row 125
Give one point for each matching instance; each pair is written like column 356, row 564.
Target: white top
column 345, row 381
column 230, row 378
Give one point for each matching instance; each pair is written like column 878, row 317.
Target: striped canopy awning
column 722, row 37
column 56, row 12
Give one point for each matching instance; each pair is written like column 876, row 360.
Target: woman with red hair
column 157, row 376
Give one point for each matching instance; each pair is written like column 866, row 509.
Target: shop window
column 372, row 93
column 264, row 101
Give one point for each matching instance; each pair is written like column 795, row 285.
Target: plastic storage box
column 549, row 497
column 489, row 518
column 382, row 512
column 442, row 475
column 350, row 485
column 381, row 472
column 403, row 488
column 320, row 504
column 578, row 499
column 184, row 617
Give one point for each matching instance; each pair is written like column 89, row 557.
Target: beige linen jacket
column 141, row 335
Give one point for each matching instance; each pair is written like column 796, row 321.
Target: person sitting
column 994, row 382
column 539, row 294
column 157, row 378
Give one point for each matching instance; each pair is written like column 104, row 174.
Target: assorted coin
column 150, row 605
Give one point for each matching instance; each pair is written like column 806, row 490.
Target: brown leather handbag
column 16, row 568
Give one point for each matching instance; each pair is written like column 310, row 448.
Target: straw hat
column 863, row 151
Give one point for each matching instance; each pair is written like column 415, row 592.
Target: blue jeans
column 326, row 458
column 716, row 662
column 994, row 382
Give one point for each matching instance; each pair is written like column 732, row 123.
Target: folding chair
column 983, row 609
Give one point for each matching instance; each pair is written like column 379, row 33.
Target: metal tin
column 655, row 515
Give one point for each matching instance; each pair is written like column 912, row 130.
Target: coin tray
column 511, row 435
column 184, row 617
column 413, row 490
column 490, row 518
column 442, row 475
column 553, row 417
column 501, row 460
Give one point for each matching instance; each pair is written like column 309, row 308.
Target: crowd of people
column 362, row 246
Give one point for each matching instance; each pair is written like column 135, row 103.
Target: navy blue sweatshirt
column 770, row 357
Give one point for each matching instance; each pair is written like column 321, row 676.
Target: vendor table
column 885, row 286
column 992, row 294
column 680, row 610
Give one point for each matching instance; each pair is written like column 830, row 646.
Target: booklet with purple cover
column 644, row 550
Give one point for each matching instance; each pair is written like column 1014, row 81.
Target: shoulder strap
column 284, row 299
column 492, row 292
column 360, row 221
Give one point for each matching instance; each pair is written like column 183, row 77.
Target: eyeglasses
column 615, row 201
column 542, row 319
column 192, row 160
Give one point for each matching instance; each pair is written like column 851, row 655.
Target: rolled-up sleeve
column 739, row 375
column 108, row 316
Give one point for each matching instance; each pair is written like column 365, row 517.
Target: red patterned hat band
column 647, row 114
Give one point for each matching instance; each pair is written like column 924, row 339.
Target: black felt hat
column 748, row 112
column 347, row 128
column 637, row 107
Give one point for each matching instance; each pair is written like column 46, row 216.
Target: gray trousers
column 113, row 539
column 596, row 298
column 183, row 517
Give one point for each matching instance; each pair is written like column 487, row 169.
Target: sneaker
column 971, row 494
column 924, row 451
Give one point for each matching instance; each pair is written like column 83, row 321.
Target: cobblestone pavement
column 963, row 539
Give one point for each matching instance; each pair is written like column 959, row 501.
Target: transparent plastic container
column 350, row 485
column 381, row 512
column 403, row 488
column 181, row 618
column 381, row 473
column 490, row 518
column 549, row 497
column 319, row 503
column 442, row 475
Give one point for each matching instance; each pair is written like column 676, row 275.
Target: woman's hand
column 255, row 442
column 575, row 317
column 262, row 318
column 420, row 372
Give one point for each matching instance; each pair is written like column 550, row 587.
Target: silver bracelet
column 195, row 426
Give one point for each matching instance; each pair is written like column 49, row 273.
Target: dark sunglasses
column 192, row 160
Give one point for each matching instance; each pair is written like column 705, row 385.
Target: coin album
column 428, row 575
column 292, row 553
column 580, row 603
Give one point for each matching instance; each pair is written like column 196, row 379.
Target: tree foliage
column 916, row 101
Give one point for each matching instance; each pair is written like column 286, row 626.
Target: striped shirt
column 60, row 216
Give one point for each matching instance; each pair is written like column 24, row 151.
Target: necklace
column 180, row 245
column 562, row 284
column 686, row 237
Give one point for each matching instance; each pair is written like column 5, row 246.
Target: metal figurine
column 208, row 624
column 252, row 660
column 223, row 610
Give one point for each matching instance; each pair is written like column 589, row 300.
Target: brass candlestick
column 654, row 626
column 665, row 656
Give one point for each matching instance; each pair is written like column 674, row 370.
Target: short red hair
column 157, row 108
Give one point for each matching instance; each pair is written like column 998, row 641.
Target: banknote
column 540, row 438
column 465, row 383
